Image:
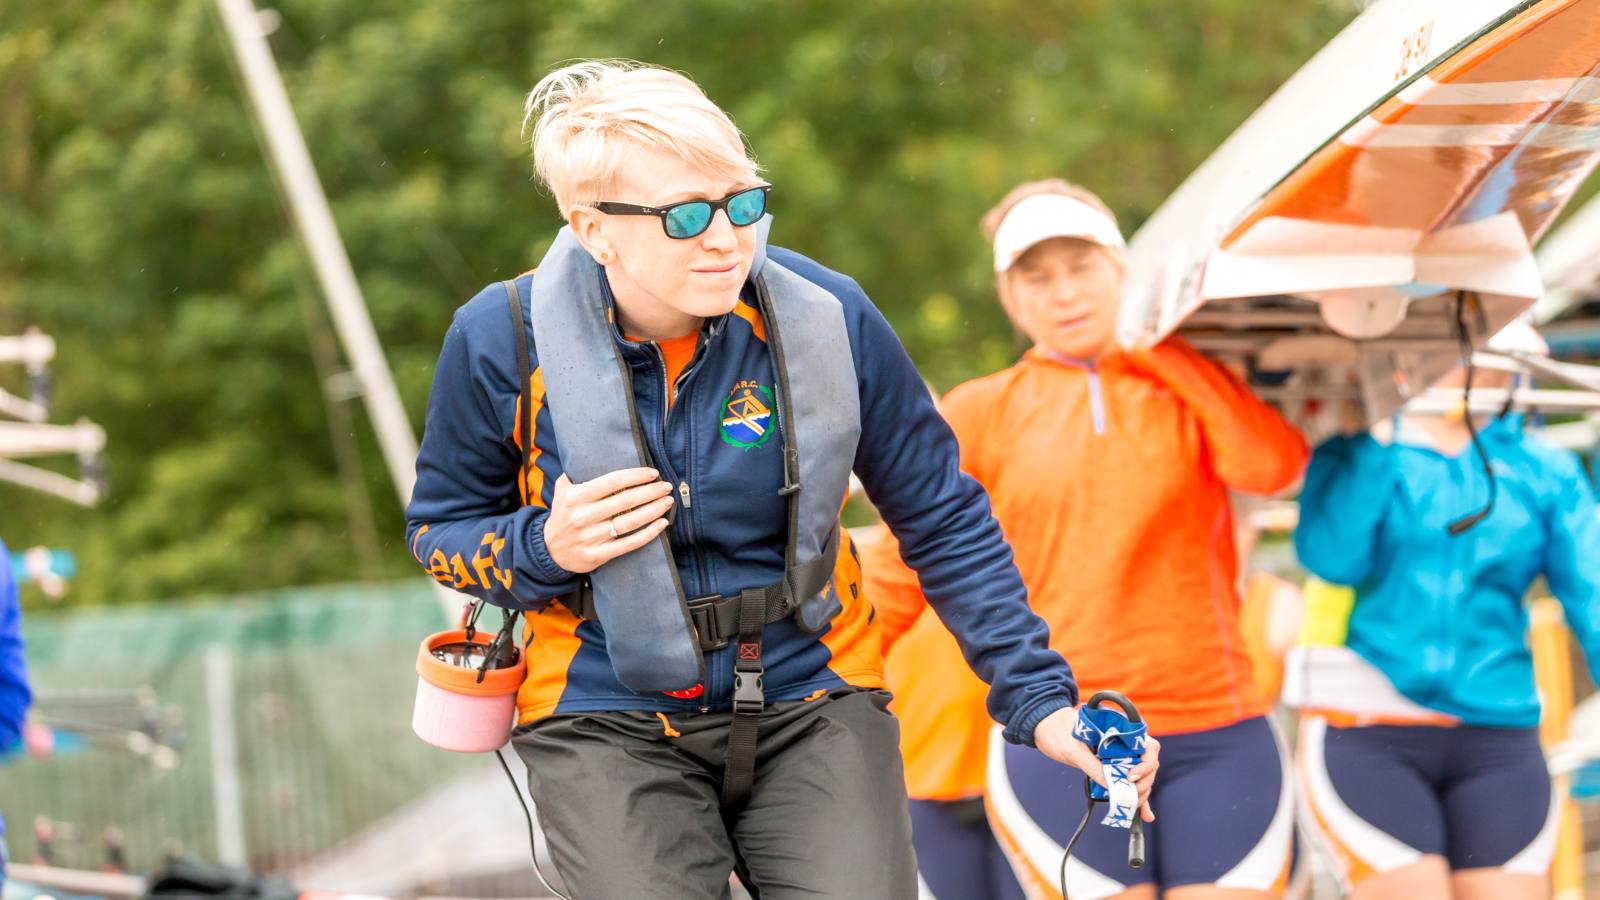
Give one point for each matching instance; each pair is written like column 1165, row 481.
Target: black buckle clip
column 748, row 696
column 702, row 614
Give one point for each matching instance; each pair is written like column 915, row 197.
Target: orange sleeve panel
column 1255, row 613
column 553, row 634
column 531, row 482
column 852, row 638
column 752, row 315
column 1252, row 448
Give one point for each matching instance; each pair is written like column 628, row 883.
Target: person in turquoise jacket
column 1460, row 806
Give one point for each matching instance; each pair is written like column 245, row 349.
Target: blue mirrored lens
column 745, row 207
column 688, row 219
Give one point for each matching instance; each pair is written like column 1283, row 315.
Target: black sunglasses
column 691, row 218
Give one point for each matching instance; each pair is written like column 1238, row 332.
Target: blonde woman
column 705, row 682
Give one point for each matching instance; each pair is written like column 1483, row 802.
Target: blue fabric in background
column 1443, row 616
column 14, row 694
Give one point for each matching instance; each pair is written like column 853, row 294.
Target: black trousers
column 630, row 803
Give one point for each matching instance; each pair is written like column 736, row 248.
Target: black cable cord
column 1464, row 343
column 533, row 841
column 1135, row 837
column 1511, row 399
column 1066, row 854
column 475, row 610
column 1136, row 830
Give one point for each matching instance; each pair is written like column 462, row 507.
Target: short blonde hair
column 587, row 117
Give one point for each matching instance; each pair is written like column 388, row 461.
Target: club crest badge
column 747, row 415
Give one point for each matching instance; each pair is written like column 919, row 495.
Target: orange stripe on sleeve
column 420, row 532
column 531, row 484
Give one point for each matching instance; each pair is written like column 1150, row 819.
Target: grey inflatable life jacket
column 655, row 636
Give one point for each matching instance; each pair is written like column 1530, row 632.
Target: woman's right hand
column 594, row 522
column 1055, row 738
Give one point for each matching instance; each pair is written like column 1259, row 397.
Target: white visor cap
column 1045, row 216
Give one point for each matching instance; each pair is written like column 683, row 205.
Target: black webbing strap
column 519, row 330
column 749, row 699
column 716, row 618
column 514, row 303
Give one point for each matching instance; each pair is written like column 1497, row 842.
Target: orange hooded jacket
column 1111, row 484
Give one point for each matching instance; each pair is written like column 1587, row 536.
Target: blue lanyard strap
column 1119, row 744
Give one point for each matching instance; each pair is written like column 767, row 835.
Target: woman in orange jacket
column 1109, row 473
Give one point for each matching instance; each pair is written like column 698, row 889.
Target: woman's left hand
column 1055, row 739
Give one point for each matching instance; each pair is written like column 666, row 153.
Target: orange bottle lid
column 461, row 679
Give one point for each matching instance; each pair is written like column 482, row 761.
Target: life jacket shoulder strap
column 524, row 375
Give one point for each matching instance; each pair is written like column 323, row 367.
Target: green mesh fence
column 312, row 688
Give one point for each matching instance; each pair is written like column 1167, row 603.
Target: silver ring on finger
column 611, row 524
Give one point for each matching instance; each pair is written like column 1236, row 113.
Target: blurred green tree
column 140, row 225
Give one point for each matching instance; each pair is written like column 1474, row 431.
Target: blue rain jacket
column 1444, row 617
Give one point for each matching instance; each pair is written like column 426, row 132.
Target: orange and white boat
column 1569, row 259
column 1405, row 171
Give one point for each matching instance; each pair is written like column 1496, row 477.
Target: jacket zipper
column 1453, row 593
column 685, row 496
column 681, row 388
column 1097, row 403
column 712, row 687
column 685, row 527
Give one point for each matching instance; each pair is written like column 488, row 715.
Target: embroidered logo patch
column 747, row 415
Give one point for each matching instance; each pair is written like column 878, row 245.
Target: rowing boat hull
column 1407, row 168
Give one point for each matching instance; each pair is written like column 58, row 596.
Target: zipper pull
column 683, row 493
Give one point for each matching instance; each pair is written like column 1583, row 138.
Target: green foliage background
column 140, row 225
